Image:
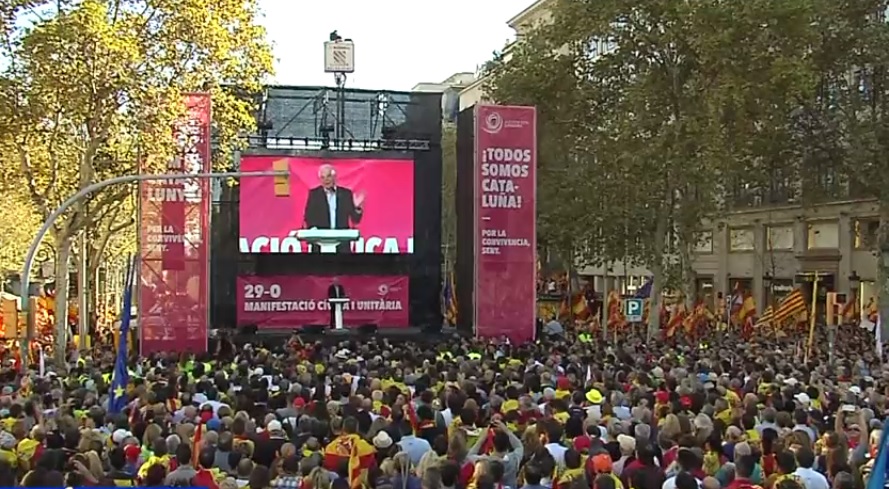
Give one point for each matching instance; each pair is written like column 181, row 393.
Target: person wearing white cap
column 266, row 451
column 627, row 446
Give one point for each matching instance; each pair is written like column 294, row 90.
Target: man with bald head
column 330, row 206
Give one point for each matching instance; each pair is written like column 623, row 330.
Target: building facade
column 769, row 251
column 522, row 23
column 450, row 90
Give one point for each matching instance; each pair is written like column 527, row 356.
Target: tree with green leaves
column 658, row 115
column 858, row 80
column 90, row 89
column 18, row 224
column 624, row 99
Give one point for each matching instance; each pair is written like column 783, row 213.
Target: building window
column 779, row 238
column 741, row 239
column 865, row 233
column 704, row 242
column 823, row 235
column 704, row 289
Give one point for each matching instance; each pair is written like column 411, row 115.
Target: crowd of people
column 456, row 413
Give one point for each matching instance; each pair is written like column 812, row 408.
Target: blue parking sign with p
column 633, row 310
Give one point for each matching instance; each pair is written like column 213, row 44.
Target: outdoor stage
column 386, row 175
column 275, row 337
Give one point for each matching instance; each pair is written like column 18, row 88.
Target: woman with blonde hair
column 459, row 454
column 318, row 479
column 531, row 441
column 152, row 432
column 434, row 457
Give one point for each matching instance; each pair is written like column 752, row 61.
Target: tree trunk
column 689, row 276
column 657, row 271
column 63, row 246
column 570, row 272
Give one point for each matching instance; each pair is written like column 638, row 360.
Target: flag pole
column 811, row 340
column 605, row 310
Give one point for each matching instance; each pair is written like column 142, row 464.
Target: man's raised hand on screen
column 358, row 200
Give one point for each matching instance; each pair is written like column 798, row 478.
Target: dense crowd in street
column 557, row 413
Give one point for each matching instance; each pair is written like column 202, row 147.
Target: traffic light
column 282, row 182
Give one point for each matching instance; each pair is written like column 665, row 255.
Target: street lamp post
column 768, row 284
column 854, row 285
column 89, row 189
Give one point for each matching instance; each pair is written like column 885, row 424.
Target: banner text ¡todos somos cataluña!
column 505, row 222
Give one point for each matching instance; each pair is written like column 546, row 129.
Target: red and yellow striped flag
column 790, row 307
column 353, row 450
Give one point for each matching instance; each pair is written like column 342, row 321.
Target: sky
column 398, row 43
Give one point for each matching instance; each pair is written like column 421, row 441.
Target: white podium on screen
column 327, row 239
column 337, row 306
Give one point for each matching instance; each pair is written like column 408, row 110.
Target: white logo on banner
column 493, row 123
column 383, row 289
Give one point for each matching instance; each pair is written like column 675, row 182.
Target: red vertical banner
column 505, row 222
column 174, row 236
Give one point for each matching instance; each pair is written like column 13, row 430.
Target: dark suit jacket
column 336, row 291
column 317, row 212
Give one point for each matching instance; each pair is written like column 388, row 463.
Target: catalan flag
column 196, row 444
column 676, row 320
column 765, row 319
column 449, row 300
column 699, row 319
column 851, row 313
column 790, row 307
column 616, row 318
column 871, row 310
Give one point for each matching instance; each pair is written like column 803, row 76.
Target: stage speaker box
column 248, row 331
column 367, row 329
column 432, row 329
column 314, row 329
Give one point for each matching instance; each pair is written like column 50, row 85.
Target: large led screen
column 373, row 196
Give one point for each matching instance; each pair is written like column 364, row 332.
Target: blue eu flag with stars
column 121, row 376
column 881, row 464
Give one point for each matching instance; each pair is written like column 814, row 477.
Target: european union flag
column 121, row 377
column 881, row 464
column 644, row 292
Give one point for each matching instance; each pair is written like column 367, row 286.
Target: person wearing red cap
column 132, row 455
column 582, row 444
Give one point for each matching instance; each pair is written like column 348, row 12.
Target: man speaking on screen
column 335, row 291
column 332, row 207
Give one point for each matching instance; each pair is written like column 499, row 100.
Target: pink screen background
column 387, row 185
column 361, row 289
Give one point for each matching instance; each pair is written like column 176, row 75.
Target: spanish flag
column 353, row 450
column 747, row 310
column 196, row 445
column 578, row 306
